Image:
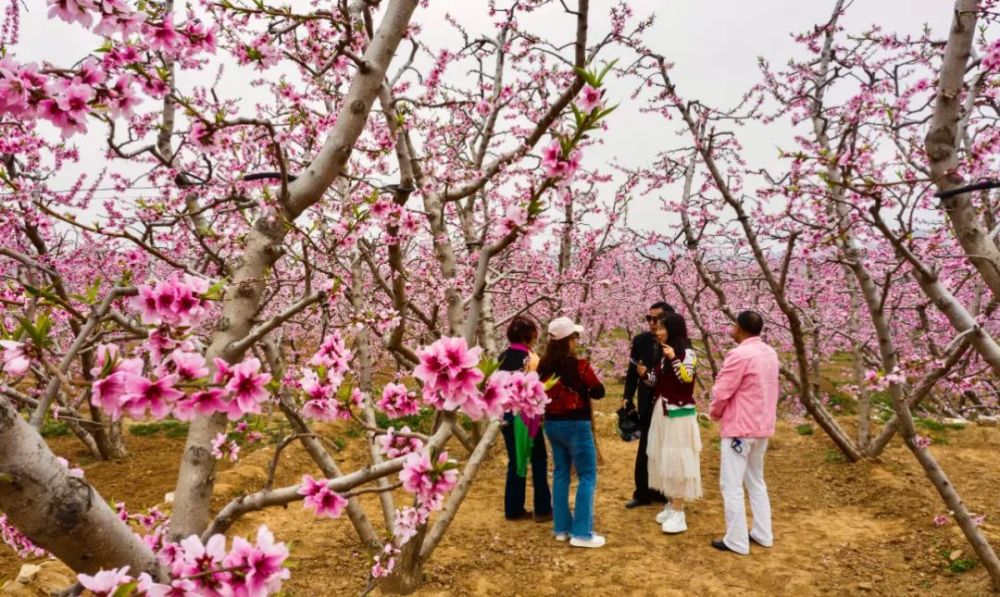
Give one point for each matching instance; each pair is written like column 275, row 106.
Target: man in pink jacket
column 744, row 401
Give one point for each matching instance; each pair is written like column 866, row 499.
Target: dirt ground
column 840, row 528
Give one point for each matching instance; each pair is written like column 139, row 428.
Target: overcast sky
column 713, row 44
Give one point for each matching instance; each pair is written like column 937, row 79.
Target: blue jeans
column 514, row 490
column 573, row 446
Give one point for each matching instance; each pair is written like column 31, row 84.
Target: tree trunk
column 942, row 143
column 262, row 249
column 948, row 493
column 408, row 573
column 58, row 512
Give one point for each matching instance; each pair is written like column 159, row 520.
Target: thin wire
column 82, row 190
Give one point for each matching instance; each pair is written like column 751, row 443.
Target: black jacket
column 513, row 359
column 646, row 350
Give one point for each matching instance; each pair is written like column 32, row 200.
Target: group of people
column 662, row 373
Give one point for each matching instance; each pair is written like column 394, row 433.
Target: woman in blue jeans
column 568, row 427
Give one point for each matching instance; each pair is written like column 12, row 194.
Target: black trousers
column 514, row 489
column 642, row 491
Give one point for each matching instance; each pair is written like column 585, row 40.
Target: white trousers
column 744, row 464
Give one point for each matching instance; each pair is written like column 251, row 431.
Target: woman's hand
column 668, row 351
column 641, row 369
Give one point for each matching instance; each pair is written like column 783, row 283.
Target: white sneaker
column 562, row 536
column 675, row 523
column 594, row 541
column 662, row 515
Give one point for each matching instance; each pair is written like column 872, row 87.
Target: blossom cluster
column 204, row 569
column 320, row 498
column 397, row 401
column 15, row 358
column 557, row 164
column 17, row 541
column 66, row 97
column 395, row 444
column 450, row 375
column 121, row 384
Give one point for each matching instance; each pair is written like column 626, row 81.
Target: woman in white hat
column 568, row 427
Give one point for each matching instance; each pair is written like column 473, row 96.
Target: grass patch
column 834, row 456
column 54, row 429
column 937, row 426
column 420, row 422
column 961, row 565
column 804, row 429
column 172, row 429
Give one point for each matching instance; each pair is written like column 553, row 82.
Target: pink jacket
column 745, row 393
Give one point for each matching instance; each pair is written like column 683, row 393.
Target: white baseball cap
column 563, row 327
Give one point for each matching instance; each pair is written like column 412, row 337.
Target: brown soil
column 839, row 528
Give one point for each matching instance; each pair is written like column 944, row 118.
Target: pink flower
column 73, row 472
column 334, row 356
column 397, row 401
column 406, row 522
column 991, row 57
column 74, row 98
column 922, row 442
column 156, row 396
column 104, row 583
column 146, row 304
column 940, row 520
column 123, row 99
column 448, row 370
column 247, row 387
column 202, row 403
column 50, row 110
column 323, row 409
column 202, row 135
column 314, row 387
column 164, row 38
column 260, row 565
column 527, row 394
column 551, row 157
column 589, row 99
column 111, row 392
column 223, row 447
column 200, row 561
column 189, row 365
column 15, row 358
column 321, row 499
column 21, row 545
column 223, row 372
column 72, row 11
column 417, row 474
column 394, row 446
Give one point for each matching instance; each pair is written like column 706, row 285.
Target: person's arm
column 632, row 376
column 726, row 384
column 595, row 389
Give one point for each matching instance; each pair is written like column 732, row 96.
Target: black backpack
column 628, row 423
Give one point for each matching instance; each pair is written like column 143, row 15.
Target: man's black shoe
column 721, row 545
column 636, row 502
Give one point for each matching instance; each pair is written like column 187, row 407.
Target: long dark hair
column 677, row 332
column 555, row 355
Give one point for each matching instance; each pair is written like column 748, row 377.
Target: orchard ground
column 839, row 527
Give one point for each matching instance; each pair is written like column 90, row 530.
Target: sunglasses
column 650, row 319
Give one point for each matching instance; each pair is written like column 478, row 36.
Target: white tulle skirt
column 674, row 455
